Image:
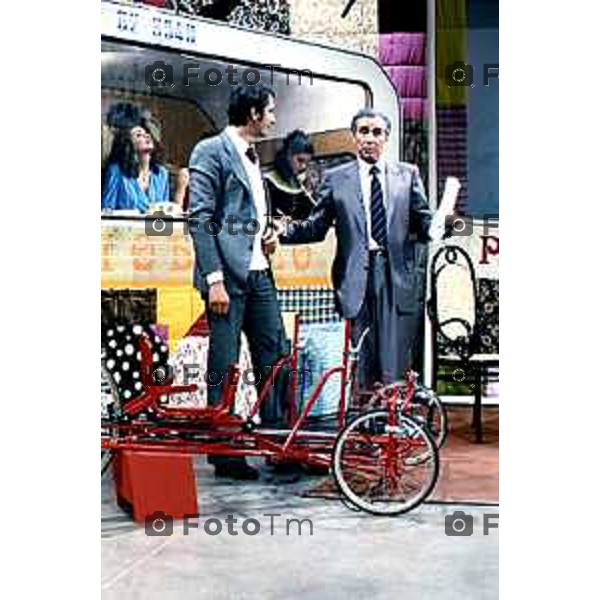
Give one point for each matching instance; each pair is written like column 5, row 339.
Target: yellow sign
column 308, row 265
column 133, row 259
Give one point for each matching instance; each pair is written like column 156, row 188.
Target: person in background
column 133, row 179
column 285, row 183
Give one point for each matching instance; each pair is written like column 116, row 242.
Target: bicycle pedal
column 393, row 429
column 249, row 426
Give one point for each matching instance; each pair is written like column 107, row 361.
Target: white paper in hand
column 450, row 196
column 446, row 208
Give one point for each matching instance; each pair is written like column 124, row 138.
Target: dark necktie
column 251, row 154
column 378, row 217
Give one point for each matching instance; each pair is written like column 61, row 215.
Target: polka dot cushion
column 122, row 357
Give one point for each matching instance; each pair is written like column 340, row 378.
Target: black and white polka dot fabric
column 122, row 357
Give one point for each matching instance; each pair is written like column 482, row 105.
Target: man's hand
column 437, row 227
column 218, row 298
column 271, row 239
column 269, row 242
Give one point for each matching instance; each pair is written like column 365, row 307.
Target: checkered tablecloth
column 313, row 305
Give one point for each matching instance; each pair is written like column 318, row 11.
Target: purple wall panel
column 403, row 55
column 414, row 108
column 410, row 82
column 402, row 48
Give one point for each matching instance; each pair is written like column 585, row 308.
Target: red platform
column 153, row 481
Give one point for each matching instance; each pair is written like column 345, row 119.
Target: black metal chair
column 456, row 328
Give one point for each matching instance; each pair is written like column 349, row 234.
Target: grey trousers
column 387, row 350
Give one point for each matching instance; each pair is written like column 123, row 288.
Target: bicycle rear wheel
column 385, row 469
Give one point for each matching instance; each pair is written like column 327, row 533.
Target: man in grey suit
column 228, row 223
column 379, row 211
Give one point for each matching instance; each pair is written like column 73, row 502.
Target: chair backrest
column 452, row 307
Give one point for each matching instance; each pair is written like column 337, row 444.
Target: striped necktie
column 378, row 216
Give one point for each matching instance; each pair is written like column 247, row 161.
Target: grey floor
column 349, row 555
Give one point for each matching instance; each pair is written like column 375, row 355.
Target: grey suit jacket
column 340, row 205
column 220, row 201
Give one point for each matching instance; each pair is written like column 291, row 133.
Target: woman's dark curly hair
column 296, row 142
column 123, row 117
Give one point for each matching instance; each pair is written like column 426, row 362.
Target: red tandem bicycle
column 384, row 456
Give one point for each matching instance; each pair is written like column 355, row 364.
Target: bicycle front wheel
column 382, row 468
column 425, row 408
column 429, row 412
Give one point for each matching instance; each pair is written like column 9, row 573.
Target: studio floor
column 348, row 555
column 470, row 472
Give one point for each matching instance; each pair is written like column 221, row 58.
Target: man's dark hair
column 370, row 113
column 245, row 97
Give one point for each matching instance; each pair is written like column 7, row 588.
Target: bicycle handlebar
column 356, row 349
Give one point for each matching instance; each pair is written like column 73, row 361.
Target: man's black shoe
column 273, row 425
column 284, row 468
column 315, row 470
column 241, row 471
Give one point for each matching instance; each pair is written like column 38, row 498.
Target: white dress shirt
column 364, row 169
column 258, row 262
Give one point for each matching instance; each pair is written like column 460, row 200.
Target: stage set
column 430, row 437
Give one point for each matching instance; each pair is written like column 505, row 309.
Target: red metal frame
column 217, row 431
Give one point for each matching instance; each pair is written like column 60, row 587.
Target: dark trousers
column 256, row 313
column 387, row 350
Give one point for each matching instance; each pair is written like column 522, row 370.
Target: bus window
column 191, row 109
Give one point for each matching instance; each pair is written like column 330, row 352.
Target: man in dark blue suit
column 379, row 211
column 228, row 223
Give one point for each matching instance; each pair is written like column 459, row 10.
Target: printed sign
column 131, row 259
